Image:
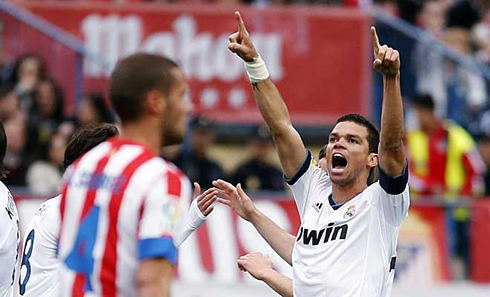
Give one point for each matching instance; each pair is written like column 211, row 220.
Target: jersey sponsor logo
column 317, row 206
column 314, row 237
column 97, row 181
column 351, row 211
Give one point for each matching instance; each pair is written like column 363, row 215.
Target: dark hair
column 423, row 100
column 3, row 150
column 322, row 153
column 373, row 134
column 373, row 139
column 5, row 89
column 103, row 111
column 133, row 78
column 58, row 98
column 86, row 139
column 14, row 77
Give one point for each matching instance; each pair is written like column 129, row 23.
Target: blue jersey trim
column 394, row 185
column 304, row 167
column 163, row 247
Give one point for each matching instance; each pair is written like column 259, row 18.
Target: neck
column 144, row 133
column 344, row 193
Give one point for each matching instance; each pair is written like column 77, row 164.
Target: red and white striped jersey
column 120, row 204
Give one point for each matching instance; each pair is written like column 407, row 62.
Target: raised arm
column 281, row 241
column 272, row 107
column 391, row 154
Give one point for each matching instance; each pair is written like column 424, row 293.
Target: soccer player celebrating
column 121, row 205
column 346, row 245
column 9, row 231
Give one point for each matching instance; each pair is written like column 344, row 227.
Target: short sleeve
column 394, row 196
column 160, row 220
column 302, row 182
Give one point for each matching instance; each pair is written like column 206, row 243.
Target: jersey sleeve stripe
column 394, row 185
column 108, row 270
column 174, row 183
column 162, row 247
column 304, row 167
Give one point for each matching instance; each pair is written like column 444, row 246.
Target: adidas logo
column 317, row 206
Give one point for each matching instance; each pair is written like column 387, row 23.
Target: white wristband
column 256, row 70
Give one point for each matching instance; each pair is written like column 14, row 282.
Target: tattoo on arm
column 255, row 86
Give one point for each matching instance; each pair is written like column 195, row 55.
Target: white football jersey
column 9, row 241
column 348, row 252
column 121, row 204
column 39, row 264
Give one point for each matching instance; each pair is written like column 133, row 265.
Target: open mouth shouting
column 339, row 163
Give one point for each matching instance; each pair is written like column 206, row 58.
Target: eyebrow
column 347, row 136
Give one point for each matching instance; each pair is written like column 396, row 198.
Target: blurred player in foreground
column 39, row 262
column 346, row 245
column 122, row 205
column 9, row 230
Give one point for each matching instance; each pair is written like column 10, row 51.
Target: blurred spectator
column 444, row 158
column 444, row 161
column 17, row 158
column 257, row 173
column 44, row 176
column 9, row 102
column 93, row 110
column 28, row 71
column 46, row 114
column 484, row 146
column 195, row 163
column 481, row 35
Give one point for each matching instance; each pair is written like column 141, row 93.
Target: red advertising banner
column 210, row 254
column 320, row 58
column 480, row 242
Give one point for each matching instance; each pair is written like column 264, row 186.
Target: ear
column 372, row 160
column 155, row 102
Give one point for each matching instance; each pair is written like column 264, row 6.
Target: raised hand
column 235, row 198
column 205, row 200
column 256, row 264
column 386, row 59
column 241, row 43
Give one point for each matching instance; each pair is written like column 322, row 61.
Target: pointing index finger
column 241, row 24
column 374, row 37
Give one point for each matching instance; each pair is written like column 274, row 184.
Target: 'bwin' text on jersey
column 316, row 237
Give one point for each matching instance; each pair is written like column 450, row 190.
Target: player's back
column 120, row 205
column 39, row 256
column 9, row 241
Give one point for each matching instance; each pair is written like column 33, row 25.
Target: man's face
column 175, row 115
column 347, row 153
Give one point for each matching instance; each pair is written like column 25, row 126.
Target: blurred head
column 433, row 15
column 151, row 88
column 423, row 106
column 49, row 99
column 203, row 134
column 3, row 150
column 15, row 129
column 352, row 150
column 9, row 102
column 85, row 139
column 93, row 110
column 260, row 144
column 29, row 68
column 56, row 149
column 459, row 39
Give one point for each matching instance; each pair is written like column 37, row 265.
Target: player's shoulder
column 49, row 206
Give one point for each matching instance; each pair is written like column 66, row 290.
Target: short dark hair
column 322, row 153
column 85, row 139
column 423, row 100
column 3, row 150
column 133, row 78
column 373, row 139
column 373, row 134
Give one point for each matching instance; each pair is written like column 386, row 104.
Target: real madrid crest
column 351, row 211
